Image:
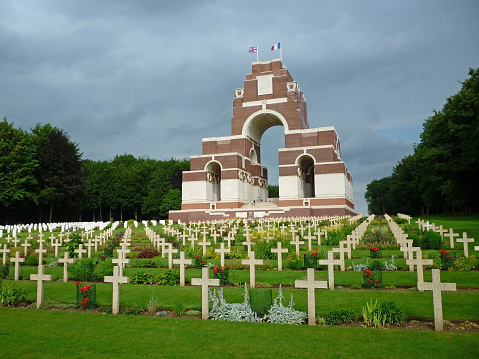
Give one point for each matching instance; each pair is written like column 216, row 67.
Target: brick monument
column 225, row 180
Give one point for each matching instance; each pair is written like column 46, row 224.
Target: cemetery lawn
column 460, row 223
column 416, row 305
column 64, row 334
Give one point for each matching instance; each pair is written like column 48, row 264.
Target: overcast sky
column 152, row 78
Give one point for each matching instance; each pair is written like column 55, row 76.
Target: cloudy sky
column 152, row 78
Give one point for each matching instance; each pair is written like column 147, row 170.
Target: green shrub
column 11, row 296
column 392, row 313
column 429, row 240
column 340, row 316
column 168, row 277
column 4, row 270
column 295, row 263
column 465, row 264
column 82, row 270
column 376, row 264
column 144, row 263
column 102, row 269
column 32, row 261
column 141, row 277
column 262, row 249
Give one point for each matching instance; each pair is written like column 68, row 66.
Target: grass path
column 27, row 333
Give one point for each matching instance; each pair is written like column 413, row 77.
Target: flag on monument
column 276, row 46
column 253, row 49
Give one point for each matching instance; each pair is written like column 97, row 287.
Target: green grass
column 415, row 304
column 51, row 334
column 460, row 223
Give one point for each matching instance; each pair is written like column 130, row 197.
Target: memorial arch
column 228, row 175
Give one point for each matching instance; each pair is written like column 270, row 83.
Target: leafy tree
column 442, row 173
column 273, row 191
column 377, row 196
column 59, row 174
column 17, row 167
column 171, row 201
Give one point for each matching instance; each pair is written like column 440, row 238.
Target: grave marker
column 182, row 262
column 330, row 262
column 279, row 251
column 437, row 288
column 252, row 262
column 465, row 242
column 205, row 282
column 116, row 279
column 40, row 277
column 310, row 284
column 17, row 260
column 65, row 260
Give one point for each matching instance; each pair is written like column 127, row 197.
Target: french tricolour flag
column 276, row 46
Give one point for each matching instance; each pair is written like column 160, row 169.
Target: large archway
column 231, row 170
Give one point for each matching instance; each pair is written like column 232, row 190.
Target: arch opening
column 305, row 165
column 213, row 185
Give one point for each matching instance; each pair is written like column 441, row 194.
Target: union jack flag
column 253, row 49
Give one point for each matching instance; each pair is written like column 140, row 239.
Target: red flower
column 197, row 256
column 76, row 283
column 86, row 299
column 378, row 282
column 314, row 253
column 376, row 233
column 369, row 281
column 367, row 271
column 215, row 270
column 204, row 262
column 22, row 256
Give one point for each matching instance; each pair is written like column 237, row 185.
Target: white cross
column 437, row 288
column 310, row 239
column 40, row 252
column 182, row 262
column 341, row 250
column 419, row 262
column 65, row 260
column 204, row 244
column 15, row 241
column 5, row 251
column 279, row 252
column 80, row 251
column 40, row 277
column 56, row 245
column 17, row 260
column 310, row 284
column 121, row 260
column 451, row 236
column 170, row 250
column 89, row 245
column 465, row 241
column 204, row 282
column 330, row 262
column 52, row 238
column 116, row 279
column 252, row 262
column 297, row 243
column 248, row 245
column 222, row 252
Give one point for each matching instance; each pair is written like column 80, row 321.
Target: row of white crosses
column 435, row 286
column 448, row 233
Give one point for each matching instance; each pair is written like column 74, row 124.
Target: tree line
column 43, row 178
column 442, row 174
